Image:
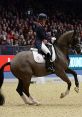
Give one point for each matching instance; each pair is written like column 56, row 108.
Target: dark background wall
column 48, row 6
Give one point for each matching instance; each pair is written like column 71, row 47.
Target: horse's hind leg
column 19, row 88
column 26, row 84
column 61, row 73
column 20, row 91
column 70, row 71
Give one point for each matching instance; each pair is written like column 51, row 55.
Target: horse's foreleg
column 70, row 71
column 66, row 92
column 61, row 73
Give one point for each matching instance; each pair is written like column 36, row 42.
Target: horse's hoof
column 37, row 103
column 34, row 103
column 76, row 89
column 62, row 95
column 29, row 103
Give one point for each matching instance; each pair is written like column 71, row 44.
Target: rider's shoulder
column 39, row 26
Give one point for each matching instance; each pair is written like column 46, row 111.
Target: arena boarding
column 9, row 77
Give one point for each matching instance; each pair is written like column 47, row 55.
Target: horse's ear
column 74, row 33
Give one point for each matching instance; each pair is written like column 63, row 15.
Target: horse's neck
column 63, row 49
column 64, row 41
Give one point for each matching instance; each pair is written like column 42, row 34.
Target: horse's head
column 69, row 40
column 75, row 45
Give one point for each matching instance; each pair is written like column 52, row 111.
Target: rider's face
column 44, row 22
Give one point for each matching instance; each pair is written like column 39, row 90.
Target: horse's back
column 22, row 56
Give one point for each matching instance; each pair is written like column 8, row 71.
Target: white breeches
column 53, row 53
column 45, row 49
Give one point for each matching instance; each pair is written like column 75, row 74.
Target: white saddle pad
column 39, row 58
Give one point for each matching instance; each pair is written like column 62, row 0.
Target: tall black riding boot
column 49, row 65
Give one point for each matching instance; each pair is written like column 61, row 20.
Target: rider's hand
column 45, row 41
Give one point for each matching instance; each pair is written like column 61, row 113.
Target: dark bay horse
column 24, row 67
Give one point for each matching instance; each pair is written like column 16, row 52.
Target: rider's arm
column 42, row 34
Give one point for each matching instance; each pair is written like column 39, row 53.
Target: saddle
column 39, row 57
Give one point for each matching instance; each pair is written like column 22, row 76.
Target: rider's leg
column 47, row 57
column 45, row 49
column 53, row 53
column 48, row 63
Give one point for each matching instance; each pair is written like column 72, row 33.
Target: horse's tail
column 2, row 99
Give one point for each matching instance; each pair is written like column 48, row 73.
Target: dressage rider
column 41, row 40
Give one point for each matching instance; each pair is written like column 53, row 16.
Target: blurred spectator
column 16, row 25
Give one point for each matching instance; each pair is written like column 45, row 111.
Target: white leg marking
column 25, row 99
column 34, row 101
